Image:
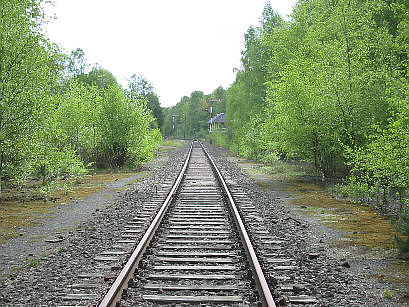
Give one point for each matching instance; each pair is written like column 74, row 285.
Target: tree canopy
column 329, row 86
column 57, row 116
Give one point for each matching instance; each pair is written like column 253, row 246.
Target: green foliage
column 383, row 163
column 402, row 227
column 57, row 164
column 327, row 87
column 76, row 64
column 388, row 294
column 219, row 138
column 139, row 87
column 246, row 112
column 33, row 262
column 26, row 76
column 355, row 190
column 55, row 117
column 98, row 77
column 331, row 91
column 76, row 118
column 124, row 130
column 191, row 114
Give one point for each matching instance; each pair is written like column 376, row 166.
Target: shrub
column 402, row 238
column 354, row 189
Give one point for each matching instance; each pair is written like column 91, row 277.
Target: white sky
column 178, row 45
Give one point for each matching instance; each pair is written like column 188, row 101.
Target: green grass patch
column 388, row 294
column 33, row 262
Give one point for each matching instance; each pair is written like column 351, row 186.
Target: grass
column 169, row 145
column 33, row 262
column 61, row 250
column 388, row 294
column 277, row 170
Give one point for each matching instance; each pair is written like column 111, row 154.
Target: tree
column 98, row 77
column 77, row 63
column 219, row 94
column 126, row 136
column 26, row 77
column 329, row 92
column 246, row 98
column 77, row 116
column 139, row 87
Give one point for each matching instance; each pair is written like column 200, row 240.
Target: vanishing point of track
column 196, row 250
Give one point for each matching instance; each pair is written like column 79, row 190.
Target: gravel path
column 37, row 241
column 97, row 226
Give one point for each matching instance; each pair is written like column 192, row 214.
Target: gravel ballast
column 323, row 272
column 44, row 280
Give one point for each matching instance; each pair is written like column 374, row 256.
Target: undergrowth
column 402, row 238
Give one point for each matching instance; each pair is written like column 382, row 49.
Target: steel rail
column 263, row 289
column 115, row 292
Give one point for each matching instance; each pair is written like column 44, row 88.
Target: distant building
column 218, row 121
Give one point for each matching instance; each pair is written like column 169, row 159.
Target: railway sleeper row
column 106, row 265
column 281, row 269
column 195, row 257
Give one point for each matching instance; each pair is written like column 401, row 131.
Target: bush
column 55, row 164
column 354, row 190
column 402, row 227
column 219, row 138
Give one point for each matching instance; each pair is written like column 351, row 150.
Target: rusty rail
column 115, row 292
column 262, row 286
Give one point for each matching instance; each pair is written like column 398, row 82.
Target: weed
column 388, row 294
column 33, row 262
column 67, row 188
column 61, row 250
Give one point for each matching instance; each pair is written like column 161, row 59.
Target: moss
column 360, row 224
column 21, row 207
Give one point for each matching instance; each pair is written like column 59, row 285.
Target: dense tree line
column 329, row 86
column 189, row 117
column 56, row 115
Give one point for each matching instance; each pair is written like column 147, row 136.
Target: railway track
column 196, row 250
column 188, row 245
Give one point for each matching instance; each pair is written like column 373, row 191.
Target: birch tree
column 26, row 75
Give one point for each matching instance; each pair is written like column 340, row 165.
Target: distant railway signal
column 211, row 112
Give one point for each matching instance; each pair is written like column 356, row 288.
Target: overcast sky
column 178, row 45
